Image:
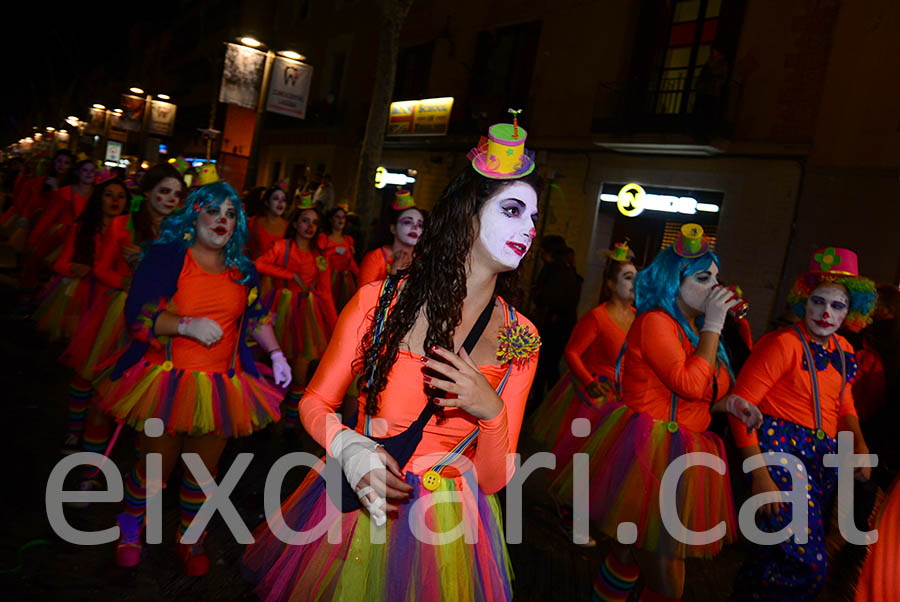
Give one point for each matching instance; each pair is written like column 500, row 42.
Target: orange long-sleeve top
column 261, row 240
column 773, row 378
column 110, row 266
column 64, row 209
column 659, row 362
column 36, row 199
column 375, row 265
column 403, row 399
column 594, row 346
column 339, row 254
column 105, row 269
column 315, row 277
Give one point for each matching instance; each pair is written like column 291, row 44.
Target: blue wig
column 656, row 287
column 181, row 225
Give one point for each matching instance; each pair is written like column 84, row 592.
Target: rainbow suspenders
column 814, row 381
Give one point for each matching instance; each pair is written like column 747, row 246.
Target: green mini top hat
column 691, row 243
column 403, row 199
column 620, row 252
column 304, row 200
column 180, row 164
column 502, row 155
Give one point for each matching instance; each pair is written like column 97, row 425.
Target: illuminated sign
column 632, row 200
column 383, row 177
column 427, row 117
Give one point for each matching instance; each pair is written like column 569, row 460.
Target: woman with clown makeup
column 407, row 223
column 446, row 366
column 672, row 372
column 193, row 300
column 800, row 378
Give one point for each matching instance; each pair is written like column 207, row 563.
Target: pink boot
column 128, row 550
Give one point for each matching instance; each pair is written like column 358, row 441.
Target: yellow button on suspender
column 167, row 365
column 820, row 434
column 431, row 480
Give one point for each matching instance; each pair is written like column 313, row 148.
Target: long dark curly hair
column 436, row 280
column 142, row 218
column 90, row 222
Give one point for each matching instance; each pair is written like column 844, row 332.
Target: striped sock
column 290, row 407
column 648, row 595
column 190, row 498
column 80, row 392
column 615, row 580
column 95, row 439
column 136, row 492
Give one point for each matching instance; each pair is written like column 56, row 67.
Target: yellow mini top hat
column 620, row 252
column 179, row 163
column 304, row 200
column 502, row 155
column 691, row 243
column 206, row 174
column 403, row 199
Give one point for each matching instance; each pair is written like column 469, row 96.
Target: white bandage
column 357, row 457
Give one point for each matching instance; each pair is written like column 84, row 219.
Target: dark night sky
column 61, row 58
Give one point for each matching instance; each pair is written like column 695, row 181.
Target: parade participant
column 102, row 334
column 193, row 300
column 673, row 369
column 879, row 580
column 35, row 194
column 591, row 355
column 469, row 401
column 406, row 224
column 338, row 248
column 49, row 233
column 64, row 301
column 303, row 308
column 268, row 228
column 800, row 377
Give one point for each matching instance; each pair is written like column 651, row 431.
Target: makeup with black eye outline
column 512, row 211
column 835, row 305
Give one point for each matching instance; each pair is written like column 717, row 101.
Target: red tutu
column 101, row 336
column 63, row 303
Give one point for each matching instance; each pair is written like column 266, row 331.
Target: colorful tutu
column 551, row 425
column 401, row 568
column 63, row 303
column 51, row 243
column 189, row 402
column 101, row 336
column 343, row 286
column 629, row 452
column 299, row 324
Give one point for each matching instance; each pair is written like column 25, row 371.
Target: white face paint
column 307, row 224
column 277, row 203
column 696, row 288
column 86, row 174
column 506, row 224
column 166, row 196
column 215, row 225
column 624, row 288
column 826, row 309
column 409, row 227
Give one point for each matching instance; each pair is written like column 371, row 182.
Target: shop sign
column 632, row 200
column 289, row 87
column 162, row 118
column 383, row 177
column 429, row 117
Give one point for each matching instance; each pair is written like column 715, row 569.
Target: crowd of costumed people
column 191, row 323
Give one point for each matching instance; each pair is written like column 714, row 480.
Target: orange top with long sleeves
column 339, row 254
column 375, row 266
column 659, row 362
column 315, row 277
column 594, row 346
column 261, row 240
column 105, row 268
column 404, row 397
column 774, row 379
column 64, row 209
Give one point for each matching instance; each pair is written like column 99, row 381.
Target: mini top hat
column 282, row 184
column 206, row 174
column 691, row 243
column 620, row 252
column 343, row 206
column 180, row 164
column 834, row 265
column 104, row 175
column 403, row 199
column 82, row 157
column 304, row 200
column 502, row 155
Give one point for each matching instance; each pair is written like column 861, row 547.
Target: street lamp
column 292, row 55
column 135, row 90
column 251, row 42
column 163, row 97
column 98, row 106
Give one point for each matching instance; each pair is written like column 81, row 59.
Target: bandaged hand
column 280, row 368
column 741, row 409
column 203, row 330
column 372, row 473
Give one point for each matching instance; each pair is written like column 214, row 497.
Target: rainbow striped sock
column 190, row 498
column 136, row 492
column 95, row 439
column 80, row 392
column 291, row 401
column 615, row 580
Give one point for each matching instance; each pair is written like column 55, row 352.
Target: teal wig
column 181, row 225
column 656, row 287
